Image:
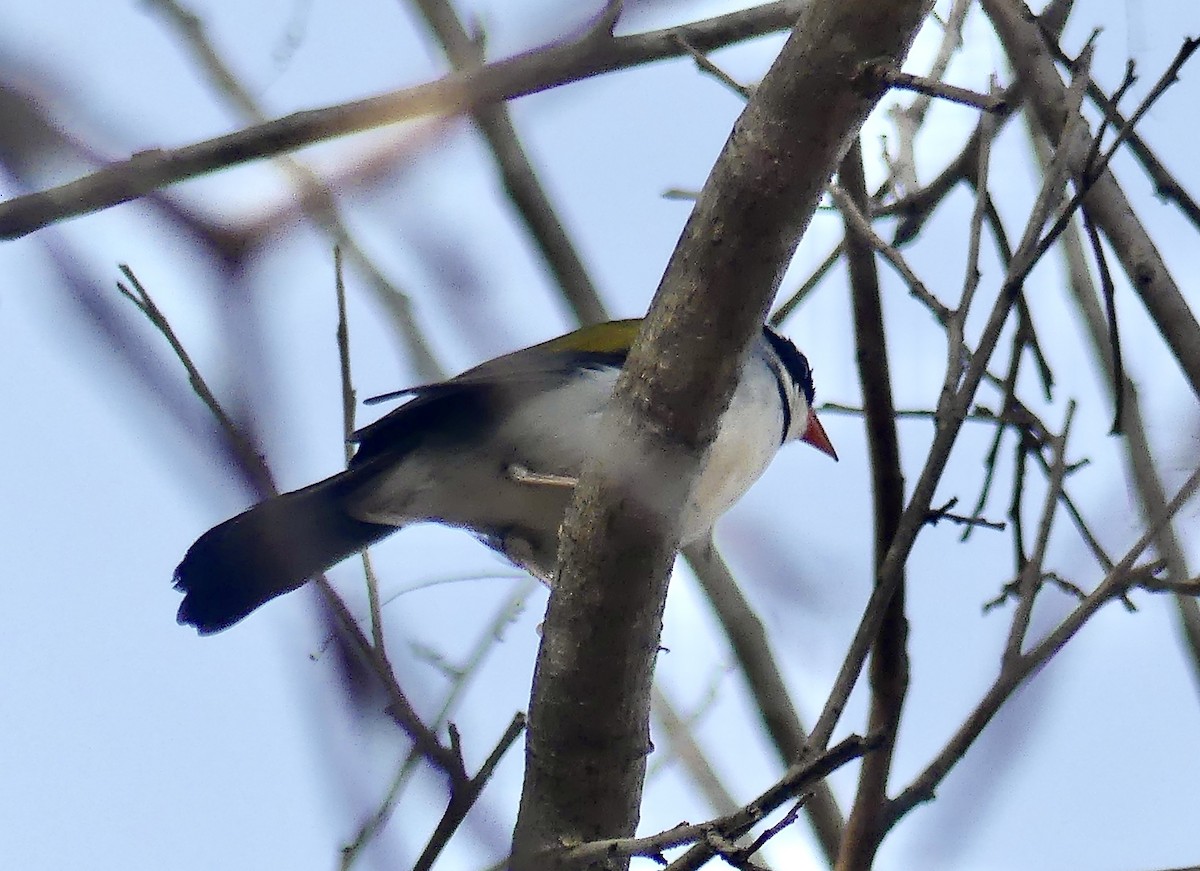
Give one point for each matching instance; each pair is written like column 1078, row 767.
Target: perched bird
column 496, row 450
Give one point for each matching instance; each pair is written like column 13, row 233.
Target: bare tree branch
column 1105, row 201
column 889, row 654
column 759, row 667
column 520, row 180
column 425, row 741
column 935, row 88
column 1029, row 581
column 798, row 779
column 1139, row 460
column 952, row 411
column 594, row 53
column 588, row 718
column 316, row 197
column 857, row 223
column 463, row 799
column 1021, row 667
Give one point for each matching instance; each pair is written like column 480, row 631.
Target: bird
column 495, row 450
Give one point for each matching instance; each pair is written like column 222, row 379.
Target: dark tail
column 267, row 551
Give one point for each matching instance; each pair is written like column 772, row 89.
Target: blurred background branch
column 463, row 241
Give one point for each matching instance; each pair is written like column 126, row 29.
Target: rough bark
column 589, row 733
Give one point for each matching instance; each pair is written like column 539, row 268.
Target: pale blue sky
column 130, row 743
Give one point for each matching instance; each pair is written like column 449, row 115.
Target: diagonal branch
column 953, row 408
column 1139, row 460
column 400, row 709
column 751, row 648
column 1029, row 582
column 1105, row 201
column 595, row 53
column 1017, row 670
column 463, row 799
column 316, row 196
column 798, row 778
column 516, row 171
column 588, row 732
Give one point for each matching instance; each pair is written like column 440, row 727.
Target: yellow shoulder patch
column 611, row 337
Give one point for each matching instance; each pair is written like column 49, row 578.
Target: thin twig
column 987, row 132
column 399, row 708
column 706, row 65
column 798, row 778
column 1148, row 580
column 786, row 820
column 1031, row 573
column 1022, row 666
column 858, row 223
column 349, row 403
column 889, row 75
column 249, row 458
column 463, row 799
column 785, row 310
column 952, row 411
column 944, row 513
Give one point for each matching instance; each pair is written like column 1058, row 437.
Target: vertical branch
column 348, row 402
column 349, row 399
column 888, row 670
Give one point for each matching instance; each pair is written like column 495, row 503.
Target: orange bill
column 815, row 435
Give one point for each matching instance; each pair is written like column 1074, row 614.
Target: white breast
column 747, row 440
column 552, row 434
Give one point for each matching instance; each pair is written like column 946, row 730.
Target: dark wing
column 456, row 409
column 448, row 410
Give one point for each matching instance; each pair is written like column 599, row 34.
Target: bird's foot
column 525, row 475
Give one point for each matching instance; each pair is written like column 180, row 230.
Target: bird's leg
column 524, row 475
column 521, row 552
